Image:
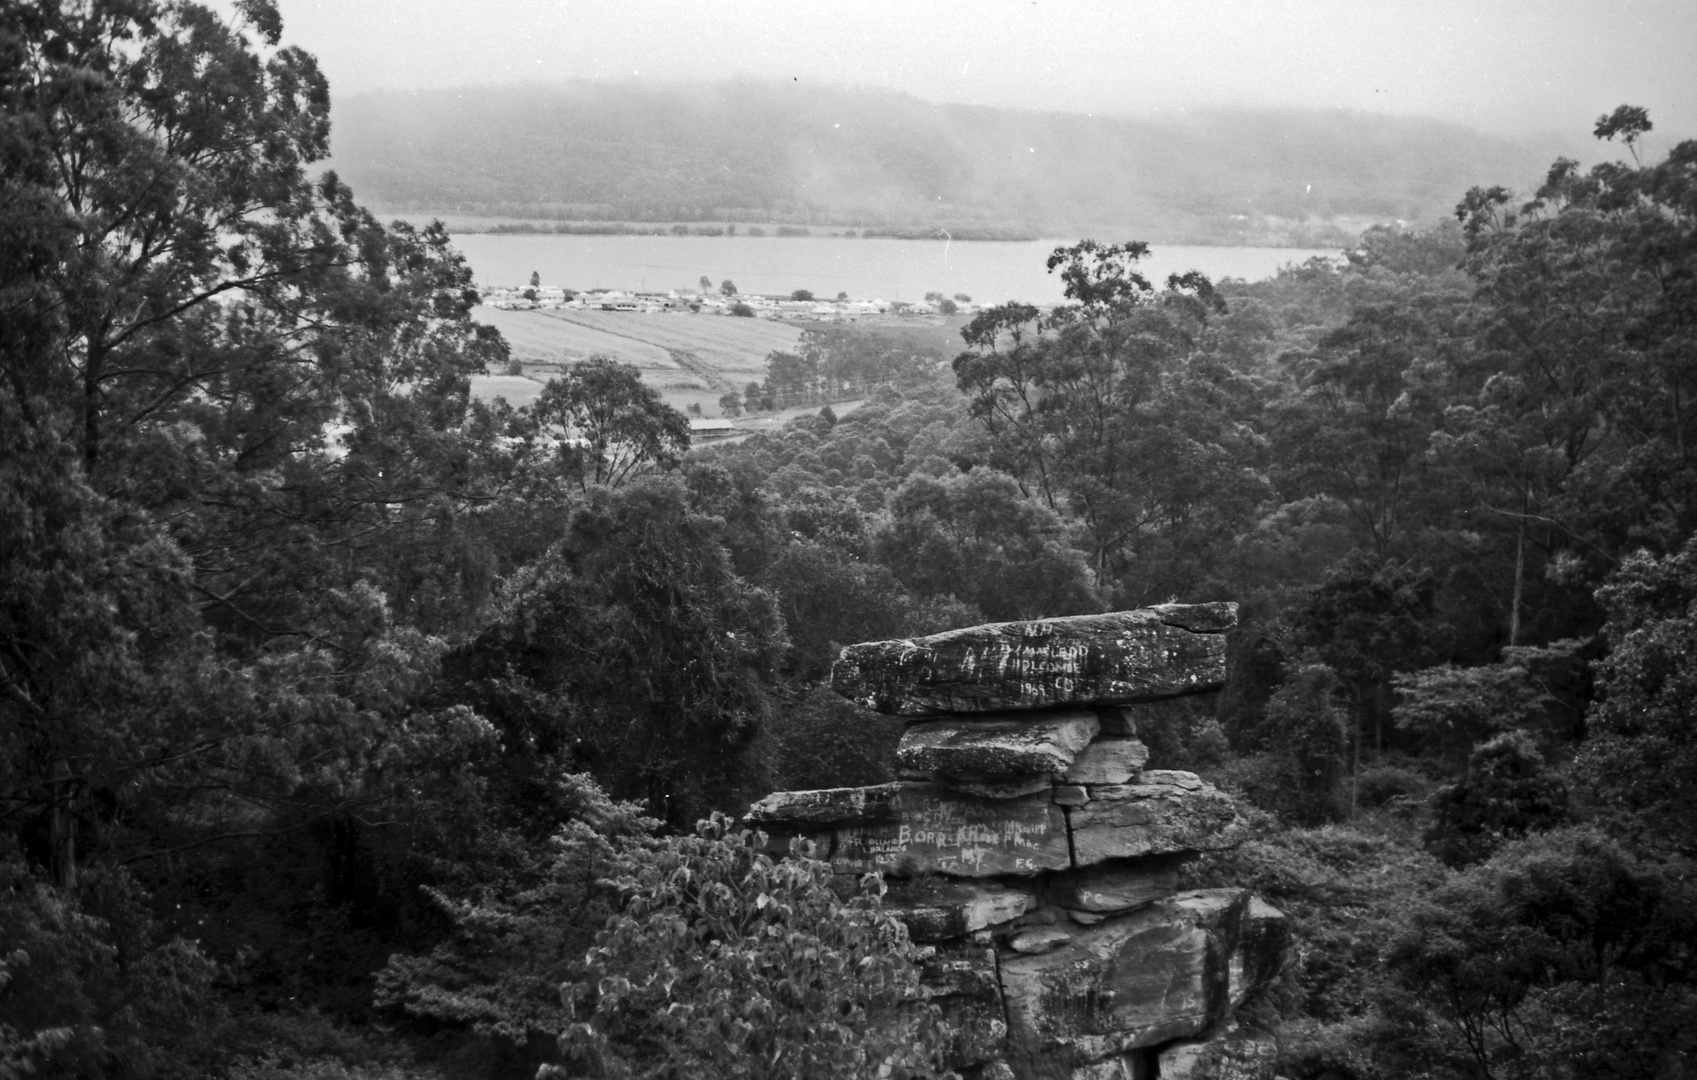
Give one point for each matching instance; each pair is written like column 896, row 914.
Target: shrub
column 1506, row 794
column 1383, row 783
column 723, row 962
column 742, row 310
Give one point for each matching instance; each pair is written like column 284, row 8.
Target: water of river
column 988, row 271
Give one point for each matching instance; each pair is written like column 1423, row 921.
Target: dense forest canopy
column 348, row 725
column 805, row 154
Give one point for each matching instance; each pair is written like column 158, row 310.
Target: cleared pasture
column 536, row 337
column 720, row 341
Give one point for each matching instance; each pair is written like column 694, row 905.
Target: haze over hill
column 746, row 150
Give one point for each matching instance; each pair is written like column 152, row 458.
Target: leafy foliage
column 724, row 962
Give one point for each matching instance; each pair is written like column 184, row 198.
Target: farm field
column 535, row 338
column 690, row 359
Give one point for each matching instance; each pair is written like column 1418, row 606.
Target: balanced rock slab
column 1165, row 812
column 1123, row 656
column 997, row 746
column 1138, row 980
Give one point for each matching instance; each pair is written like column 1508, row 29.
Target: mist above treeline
column 788, row 153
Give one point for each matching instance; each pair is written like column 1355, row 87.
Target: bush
column 1564, row 955
column 1383, row 783
column 1506, row 794
column 742, row 310
column 722, row 962
column 89, row 985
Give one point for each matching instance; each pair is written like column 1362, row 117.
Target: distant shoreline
column 685, row 230
column 1338, row 234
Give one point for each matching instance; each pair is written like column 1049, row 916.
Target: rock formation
column 1026, row 844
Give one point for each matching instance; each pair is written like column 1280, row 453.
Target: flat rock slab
column 1120, row 657
column 1108, row 760
column 934, row 830
column 938, row 909
column 1164, row 813
column 998, row 746
column 910, row 828
column 1114, row 888
column 1138, row 980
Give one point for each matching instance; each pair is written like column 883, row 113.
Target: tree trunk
column 1519, row 572
column 62, row 826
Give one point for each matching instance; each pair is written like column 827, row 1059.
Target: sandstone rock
column 1234, row 1053
column 1263, row 939
column 1136, row 980
column 827, row 806
column 1085, row 918
column 997, row 746
column 1040, row 939
column 1070, row 795
column 1107, row 659
column 997, row 1070
column 961, row 981
column 1112, row 760
column 1011, row 787
column 1165, row 812
column 1114, row 887
column 1136, row 1066
column 925, row 828
column 937, row 909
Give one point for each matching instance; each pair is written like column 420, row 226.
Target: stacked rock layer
column 1028, row 845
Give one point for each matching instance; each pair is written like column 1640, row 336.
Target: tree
column 963, row 298
column 801, row 294
column 1312, row 732
column 730, row 404
column 1640, row 762
column 535, row 281
column 1563, row 953
column 606, row 427
column 633, row 651
column 1106, row 408
column 1506, row 794
column 976, row 538
column 728, row 287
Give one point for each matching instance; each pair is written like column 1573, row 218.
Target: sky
column 1505, row 66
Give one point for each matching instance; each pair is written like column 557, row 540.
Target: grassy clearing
column 538, row 339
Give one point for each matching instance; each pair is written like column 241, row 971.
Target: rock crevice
column 1029, row 847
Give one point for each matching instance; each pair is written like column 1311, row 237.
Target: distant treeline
column 768, row 154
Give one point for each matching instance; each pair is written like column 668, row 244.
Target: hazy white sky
column 1502, row 65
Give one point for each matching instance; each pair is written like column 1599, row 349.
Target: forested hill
column 746, row 150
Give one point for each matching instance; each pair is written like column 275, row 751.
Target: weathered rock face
column 915, row 827
column 1028, row 845
column 1124, row 656
column 1108, row 761
column 1234, row 1053
column 1164, row 812
column 998, row 746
